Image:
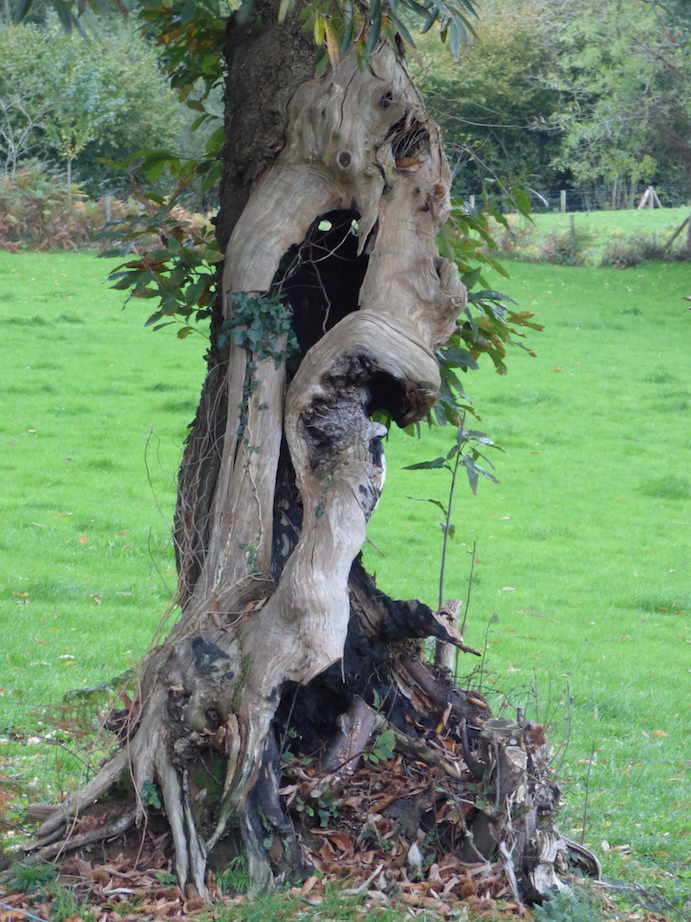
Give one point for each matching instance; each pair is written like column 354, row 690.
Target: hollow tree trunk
column 284, row 465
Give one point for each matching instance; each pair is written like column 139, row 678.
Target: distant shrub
column 626, row 254
column 517, row 241
column 562, row 248
column 37, row 212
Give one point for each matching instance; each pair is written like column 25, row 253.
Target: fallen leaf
column 308, row 885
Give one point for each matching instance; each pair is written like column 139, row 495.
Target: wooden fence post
column 562, row 201
column 684, row 223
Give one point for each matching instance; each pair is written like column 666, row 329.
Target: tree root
column 104, row 781
column 100, row 834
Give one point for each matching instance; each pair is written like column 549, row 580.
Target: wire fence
column 592, row 199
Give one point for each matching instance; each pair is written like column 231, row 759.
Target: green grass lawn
column 94, row 419
column 582, row 583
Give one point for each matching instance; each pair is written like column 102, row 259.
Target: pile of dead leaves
column 395, row 835
column 116, row 890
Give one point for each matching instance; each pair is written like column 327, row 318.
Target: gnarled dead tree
column 281, row 631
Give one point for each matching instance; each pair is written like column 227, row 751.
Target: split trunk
column 334, row 190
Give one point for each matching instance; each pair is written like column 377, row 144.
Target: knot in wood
column 344, row 159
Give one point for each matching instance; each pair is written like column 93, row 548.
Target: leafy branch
column 171, row 262
column 336, row 25
column 466, row 451
column 487, row 324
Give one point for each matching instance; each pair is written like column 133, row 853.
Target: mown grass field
column 95, row 414
column 582, row 578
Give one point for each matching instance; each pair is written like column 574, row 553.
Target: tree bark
column 334, row 191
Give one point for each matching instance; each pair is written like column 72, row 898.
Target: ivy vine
column 258, row 323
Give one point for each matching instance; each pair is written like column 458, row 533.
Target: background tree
column 588, row 94
column 79, row 101
column 493, row 103
column 23, row 104
column 624, row 81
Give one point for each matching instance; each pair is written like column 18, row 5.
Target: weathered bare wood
column 356, row 726
column 550, row 861
column 336, row 127
column 109, row 831
column 443, row 650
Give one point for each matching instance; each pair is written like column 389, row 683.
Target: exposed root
column 197, row 848
column 172, row 795
column 100, row 834
column 237, row 764
column 104, row 781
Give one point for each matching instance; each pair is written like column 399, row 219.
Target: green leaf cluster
column 150, row 795
column 466, row 451
column 488, row 324
column 259, row 324
column 189, row 35
column 383, row 747
column 174, row 265
column 565, row 906
column 336, row 25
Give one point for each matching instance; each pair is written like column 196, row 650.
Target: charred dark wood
column 271, row 845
